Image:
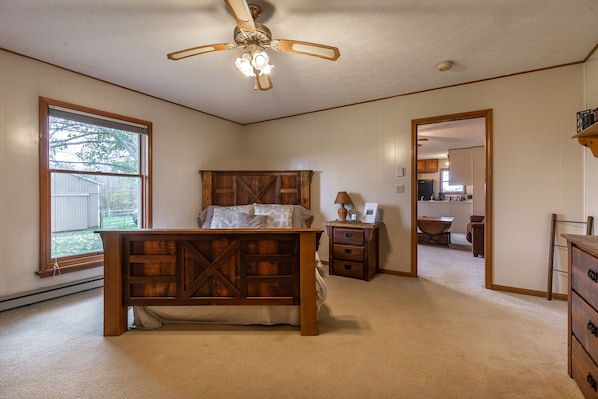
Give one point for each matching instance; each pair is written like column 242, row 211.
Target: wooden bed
column 155, row 267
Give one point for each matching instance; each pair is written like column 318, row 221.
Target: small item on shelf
column 585, row 119
column 353, row 215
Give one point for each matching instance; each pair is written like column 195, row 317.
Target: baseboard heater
column 45, row 294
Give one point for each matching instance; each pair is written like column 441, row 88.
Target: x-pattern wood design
column 212, row 269
column 263, row 191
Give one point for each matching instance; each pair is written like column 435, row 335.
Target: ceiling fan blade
column 263, row 81
column 306, row 48
column 242, row 14
column 178, row 55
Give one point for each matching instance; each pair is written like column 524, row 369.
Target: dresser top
column 355, row 225
column 587, row 243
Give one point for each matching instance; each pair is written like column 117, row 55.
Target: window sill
column 72, row 264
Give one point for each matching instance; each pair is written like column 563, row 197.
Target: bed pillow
column 204, row 220
column 301, row 216
column 279, row 216
column 226, row 217
column 252, row 221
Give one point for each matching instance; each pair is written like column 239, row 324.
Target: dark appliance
column 425, row 189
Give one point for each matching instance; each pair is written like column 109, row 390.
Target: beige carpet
column 438, row 336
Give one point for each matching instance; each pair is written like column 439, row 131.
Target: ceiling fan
column 254, row 38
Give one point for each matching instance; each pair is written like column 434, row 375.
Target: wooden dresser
column 583, row 313
column 353, row 248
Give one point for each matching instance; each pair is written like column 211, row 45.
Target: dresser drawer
column 348, row 252
column 348, row 236
column 347, row 268
column 584, row 276
column 583, row 370
column 584, row 323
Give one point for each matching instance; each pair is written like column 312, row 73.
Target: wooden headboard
column 241, row 187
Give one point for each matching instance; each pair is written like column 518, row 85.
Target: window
column 445, row 184
column 95, row 173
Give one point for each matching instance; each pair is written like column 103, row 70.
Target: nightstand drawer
column 348, row 236
column 353, row 249
column 348, row 252
column 347, row 269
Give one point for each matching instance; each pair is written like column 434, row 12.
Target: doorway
column 417, row 125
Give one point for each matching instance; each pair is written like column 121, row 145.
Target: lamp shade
column 343, row 198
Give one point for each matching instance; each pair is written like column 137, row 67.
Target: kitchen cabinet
column 427, row 165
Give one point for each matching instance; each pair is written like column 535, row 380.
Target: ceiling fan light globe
column 266, row 70
column 244, row 66
column 260, row 60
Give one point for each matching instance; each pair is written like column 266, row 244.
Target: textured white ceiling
column 442, row 136
column 388, row 47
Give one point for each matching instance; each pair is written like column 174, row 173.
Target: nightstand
column 353, row 248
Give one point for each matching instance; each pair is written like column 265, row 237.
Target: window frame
column 462, row 191
column 94, row 259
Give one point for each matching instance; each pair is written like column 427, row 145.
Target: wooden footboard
column 209, row 267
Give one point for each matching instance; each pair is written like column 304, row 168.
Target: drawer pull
column 349, row 235
column 348, row 251
column 347, row 267
column 591, row 382
column 593, row 275
column 592, row 329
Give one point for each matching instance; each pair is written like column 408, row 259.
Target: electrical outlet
column 400, row 188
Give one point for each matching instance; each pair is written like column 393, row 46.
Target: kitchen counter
column 460, row 210
column 446, row 202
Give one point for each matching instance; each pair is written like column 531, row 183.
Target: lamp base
column 342, row 213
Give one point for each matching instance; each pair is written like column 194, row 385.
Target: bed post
column 206, row 187
column 309, row 311
column 115, row 313
column 305, row 199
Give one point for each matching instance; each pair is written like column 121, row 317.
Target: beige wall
column 591, row 178
column 184, row 141
column 538, row 169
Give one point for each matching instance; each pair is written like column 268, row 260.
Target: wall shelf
column 588, row 137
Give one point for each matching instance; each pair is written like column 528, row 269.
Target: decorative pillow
column 279, row 216
column 226, row 217
column 252, row 221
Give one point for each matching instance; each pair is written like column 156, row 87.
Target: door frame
column 487, row 115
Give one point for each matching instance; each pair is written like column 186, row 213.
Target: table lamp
column 342, row 198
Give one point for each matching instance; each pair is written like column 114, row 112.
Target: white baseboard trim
column 45, row 294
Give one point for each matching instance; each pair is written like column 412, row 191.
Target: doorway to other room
column 451, row 181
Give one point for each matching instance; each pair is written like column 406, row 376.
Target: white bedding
column 150, row 317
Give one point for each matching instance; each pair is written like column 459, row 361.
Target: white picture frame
column 370, row 211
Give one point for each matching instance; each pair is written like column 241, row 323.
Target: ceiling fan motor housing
column 261, row 36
